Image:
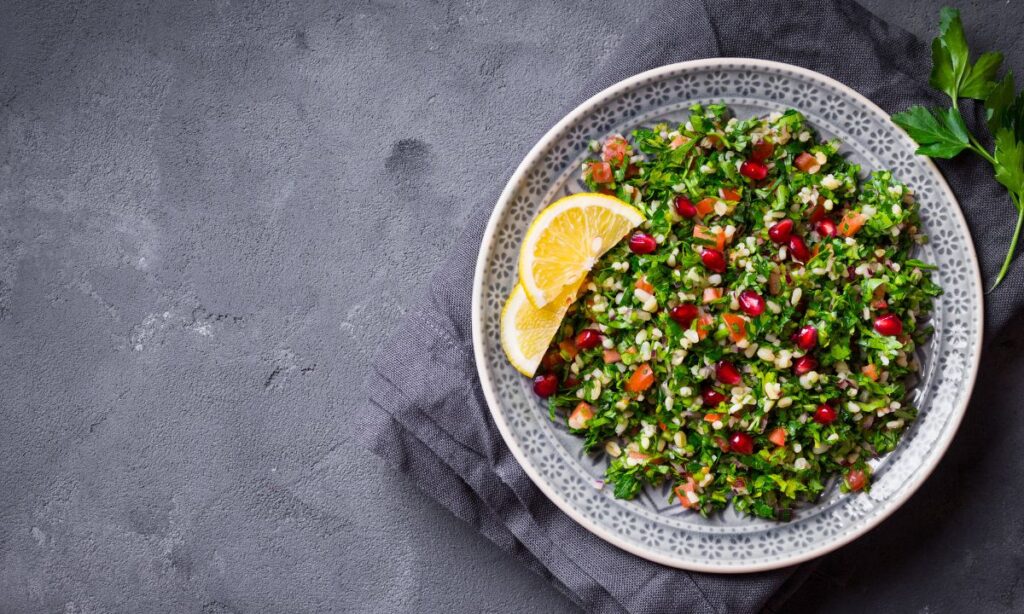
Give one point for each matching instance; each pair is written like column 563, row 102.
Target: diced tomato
column 643, row 284
column 711, row 417
column 662, row 425
column 778, row 436
column 871, row 371
column 852, row 222
column 704, row 234
column 762, row 151
column 712, row 294
column 715, row 141
column 705, row 324
column 729, row 194
column 568, row 347
column 581, row 415
column 611, row 356
column 706, row 206
column 642, row 378
column 682, row 489
column 614, row 150
column 737, row 326
column 638, row 455
column 679, row 141
column 806, row 162
column 722, row 444
column 601, row 172
column 855, row 479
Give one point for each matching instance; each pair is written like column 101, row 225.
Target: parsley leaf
column 998, row 102
column 1009, row 161
column 980, row 79
column 952, row 71
column 939, row 133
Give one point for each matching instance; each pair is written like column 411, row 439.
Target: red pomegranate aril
column 685, row 207
column 825, row 414
column 713, row 259
column 642, row 243
column 804, row 364
column 727, row 373
column 588, row 339
column 751, row 303
column 712, row 397
column 741, row 443
column 762, row 151
column 545, row 385
column 855, row 479
column 806, row 338
column 798, row 249
column 684, row 314
column 780, row 231
column 571, row 381
column 827, row 228
column 889, row 325
column 752, row 169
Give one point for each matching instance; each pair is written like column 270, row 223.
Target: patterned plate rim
column 495, row 407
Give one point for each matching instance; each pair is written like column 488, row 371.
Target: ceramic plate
column 650, row 526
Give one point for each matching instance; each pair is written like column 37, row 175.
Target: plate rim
column 493, row 405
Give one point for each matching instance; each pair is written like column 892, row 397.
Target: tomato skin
column 851, row 223
column 643, row 284
column 581, row 415
column 614, row 150
column 855, row 480
column 806, row 162
column 737, row 326
column 711, row 295
column 730, row 194
column 778, row 436
column 642, row 379
column 601, row 172
column 706, row 206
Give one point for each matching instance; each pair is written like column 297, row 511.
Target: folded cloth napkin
column 427, row 414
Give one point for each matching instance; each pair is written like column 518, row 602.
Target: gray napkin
column 427, row 414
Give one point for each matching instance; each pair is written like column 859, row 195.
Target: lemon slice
column 566, row 239
column 526, row 331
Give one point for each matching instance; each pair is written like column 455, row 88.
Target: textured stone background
column 195, row 265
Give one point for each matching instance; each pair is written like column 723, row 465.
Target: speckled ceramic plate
column 650, row 526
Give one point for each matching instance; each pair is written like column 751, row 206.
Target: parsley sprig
column 942, row 133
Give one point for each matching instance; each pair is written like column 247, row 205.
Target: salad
column 755, row 336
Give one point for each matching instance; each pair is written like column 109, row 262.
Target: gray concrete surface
column 193, row 274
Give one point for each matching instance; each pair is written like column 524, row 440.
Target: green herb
column 942, row 133
column 678, row 429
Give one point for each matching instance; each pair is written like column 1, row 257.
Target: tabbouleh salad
column 755, row 336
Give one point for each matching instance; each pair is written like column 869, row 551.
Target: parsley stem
column 977, row 148
column 1013, row 242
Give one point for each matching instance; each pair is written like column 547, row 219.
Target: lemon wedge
column 567, row 238
column 526, row 331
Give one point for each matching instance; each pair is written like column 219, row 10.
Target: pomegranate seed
column 751, row 303
column 825, row 414
column 806, row 338
column 855, row 479
column 642, row 243
column 545, row 385
column 780, row 231
column 804, row 364
column 741, row 443
column 727, row 373
column 712, row 397
column 761, row 151
column 889, row 325
column 827, row 228
column 684, row 314
column 685, row 207
column 587, row 339
column 798, row 249
column 713, row 259
column 753, row 169
column 571, row 381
